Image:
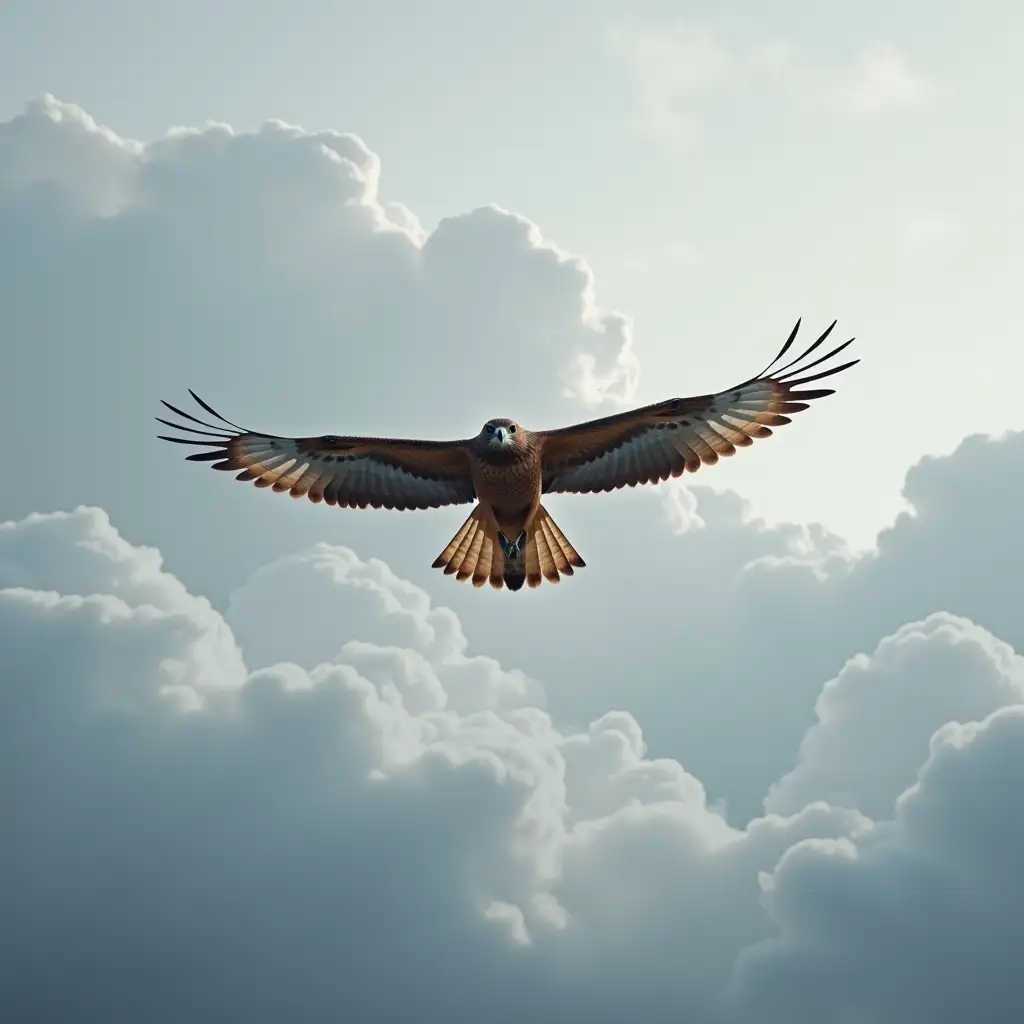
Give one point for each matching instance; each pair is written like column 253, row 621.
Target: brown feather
column 663, row 440
column 350, row 472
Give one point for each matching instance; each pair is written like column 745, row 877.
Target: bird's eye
column 490, row 428
column 512, row 429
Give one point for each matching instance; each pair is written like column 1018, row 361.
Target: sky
column 762, row 760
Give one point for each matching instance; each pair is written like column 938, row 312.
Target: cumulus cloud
column 743, row 621
column 303, row 828
column 296, row 608
column 920, row 918
column 269, row 271
column 360, row 835
column 875, row 719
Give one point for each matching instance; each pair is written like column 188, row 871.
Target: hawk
column 510, row 538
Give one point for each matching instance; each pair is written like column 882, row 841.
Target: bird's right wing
column 351, row 472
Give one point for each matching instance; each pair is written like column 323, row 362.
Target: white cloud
column 352, row 837
column 874, row 720
column 290, row 610
column 95, row 565
column 919, row 919
column 59, row 146
column 740, row 622
column 674, row 67
column 344, row 816
column 267, row 271
column 883, row 80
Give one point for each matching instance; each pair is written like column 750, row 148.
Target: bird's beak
column 500, row 433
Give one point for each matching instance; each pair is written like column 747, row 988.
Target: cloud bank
column 385, row 825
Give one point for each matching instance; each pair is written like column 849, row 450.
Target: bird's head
column 501, row 435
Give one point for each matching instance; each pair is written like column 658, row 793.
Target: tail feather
column 534, row 576
column 448, row 555
column 545, row 556
column 471, row 560
column 558, row 558
column 474, row 553
column 570, row 553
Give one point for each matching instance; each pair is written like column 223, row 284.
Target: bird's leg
column 512, row 550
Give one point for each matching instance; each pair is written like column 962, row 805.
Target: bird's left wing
column 667, row 439
column 351, row 472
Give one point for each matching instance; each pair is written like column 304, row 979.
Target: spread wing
column 667, row 439
column 351, row 472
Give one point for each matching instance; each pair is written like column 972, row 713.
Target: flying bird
column 510, row 538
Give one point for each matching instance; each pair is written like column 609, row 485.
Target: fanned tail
column 549, row 555
column 475, row 553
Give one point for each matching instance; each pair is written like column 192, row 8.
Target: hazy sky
column 761, row 761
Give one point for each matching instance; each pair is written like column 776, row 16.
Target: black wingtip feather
column 206, row 456
column 830, row 372
column 213, row 412
column 804, row 367
column 189, row 440
column 222, row 434
column 794, row 373
column 785, row 348
column 189, row 416
column 813, row 347
column 192, row 430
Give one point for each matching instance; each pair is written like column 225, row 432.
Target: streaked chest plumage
column 508, row 480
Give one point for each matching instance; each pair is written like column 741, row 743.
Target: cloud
column 883, row 80
column 359, row 836
column 291, row 609
column 676, row 67
column 788, row 606
column 920, row 918
column 301, row 829
column 97, row 565
column 875, row 719
column 268, row 271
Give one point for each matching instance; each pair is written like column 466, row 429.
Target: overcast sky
column 762, row 760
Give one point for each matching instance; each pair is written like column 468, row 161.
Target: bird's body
column 509, row 538
column 507, row 478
